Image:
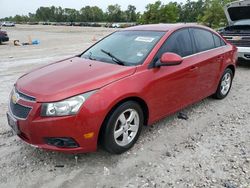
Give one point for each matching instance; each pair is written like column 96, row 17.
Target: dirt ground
column 210, row 149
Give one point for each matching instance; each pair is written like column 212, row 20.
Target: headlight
column 66, row 107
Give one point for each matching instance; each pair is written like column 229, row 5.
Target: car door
column 211, row 57
column 173, row 87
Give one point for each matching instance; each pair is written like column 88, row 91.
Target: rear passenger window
column 203, row 40
column 222, row 42
column 218, row 41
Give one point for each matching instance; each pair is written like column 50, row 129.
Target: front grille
column 25, row 97
column 19, row 111
column 243, row 42
column 240, row 43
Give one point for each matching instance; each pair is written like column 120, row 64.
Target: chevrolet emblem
column 237, row 38
column 15, row 98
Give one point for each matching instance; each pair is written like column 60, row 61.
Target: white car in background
column 8, row 24
column 238, row 30
column 116, row 25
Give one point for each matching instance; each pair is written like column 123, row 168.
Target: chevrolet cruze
column 131, row 78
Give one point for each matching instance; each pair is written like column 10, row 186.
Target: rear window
column 203, row 39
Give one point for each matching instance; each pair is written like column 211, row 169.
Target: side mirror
column 169, row 59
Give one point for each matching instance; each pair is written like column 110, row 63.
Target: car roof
column 164, row 27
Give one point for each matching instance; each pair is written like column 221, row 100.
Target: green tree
column 20, row 19
column 152, row 13
column 91, row 14
column 59, row 14
column 71, row 15
column 130, row 13
column 214, row 15
column 159, row 13
column 86, row 14
column 169, row 13
column 114, row 13
column 208, row 12
column 45, row 14
column 190, row 11
column 97, row 14
column 31, row 17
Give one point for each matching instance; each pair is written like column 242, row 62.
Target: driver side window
column 179, row 42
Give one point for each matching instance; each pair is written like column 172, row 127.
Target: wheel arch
column 139, row 100
column 232, row 67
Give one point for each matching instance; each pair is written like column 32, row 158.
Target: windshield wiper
column 115, row 59
column 90, row 56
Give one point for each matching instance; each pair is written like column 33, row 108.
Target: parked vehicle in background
column 133, row 77
column 3, row 36
column 238, row 30
column 8, row 24
column 116, row 25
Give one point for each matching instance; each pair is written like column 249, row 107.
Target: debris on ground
column 168, row 154
column 182, row 115
column 106, row 171
column 30, row 42
column 59, row 166
column 33, row 42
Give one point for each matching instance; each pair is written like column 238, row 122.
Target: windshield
column 124, row 47
column 242, row 22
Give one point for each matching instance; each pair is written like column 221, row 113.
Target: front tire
column 122, row 127
column 224, row 85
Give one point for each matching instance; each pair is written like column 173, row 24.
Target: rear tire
column 224, row 84
column 122, row 127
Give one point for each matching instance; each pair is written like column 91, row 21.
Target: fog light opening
column 63, row 142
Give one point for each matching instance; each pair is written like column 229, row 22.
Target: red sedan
column 131, row 78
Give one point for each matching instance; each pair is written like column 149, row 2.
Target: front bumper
column 35, row 130
column 244, row 53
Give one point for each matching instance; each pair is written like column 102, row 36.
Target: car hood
column 238, row 10
column 70, row 77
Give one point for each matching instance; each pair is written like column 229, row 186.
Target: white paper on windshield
column 139, row 54
column 145, row 39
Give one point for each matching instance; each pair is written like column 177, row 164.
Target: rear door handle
column 219, row 57
column 193, row 68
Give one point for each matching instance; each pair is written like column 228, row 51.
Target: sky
column 23, row 7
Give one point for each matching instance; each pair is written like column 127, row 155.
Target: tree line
column 208, row 12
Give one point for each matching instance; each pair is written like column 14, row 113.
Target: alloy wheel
column 225, row 83
column 126, row 127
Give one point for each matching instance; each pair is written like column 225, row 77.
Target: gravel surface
column 209, row 149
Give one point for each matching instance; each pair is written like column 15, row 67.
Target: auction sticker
column 145, row 39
